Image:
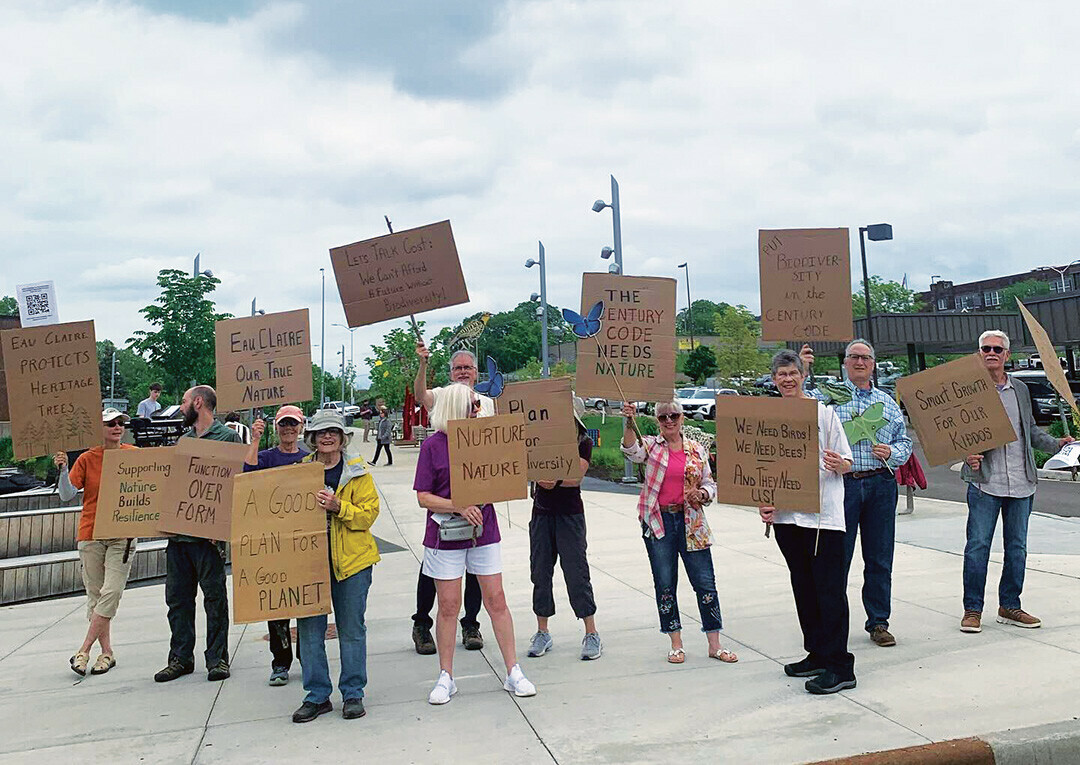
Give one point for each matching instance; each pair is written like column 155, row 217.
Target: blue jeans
column 664, row 557
column 350, row 603
column 870, row 505
column 983, row 512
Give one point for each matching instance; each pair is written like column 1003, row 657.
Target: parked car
column 702, row 403
column 1043, row 396
column 347, row 410
column 599, row 404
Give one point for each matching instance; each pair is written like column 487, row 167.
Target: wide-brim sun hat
column 325, row 419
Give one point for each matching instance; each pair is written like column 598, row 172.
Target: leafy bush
column 41, row 467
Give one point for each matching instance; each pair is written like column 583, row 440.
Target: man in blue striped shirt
column 870, row 491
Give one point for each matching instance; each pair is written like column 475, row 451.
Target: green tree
column 134, row 374
column 737, row 352
column 392, row 366
column 9, row 306
column 700, row 364
column 1022, row 291
column 885, row 297
column 182, row 346
column 704, row 314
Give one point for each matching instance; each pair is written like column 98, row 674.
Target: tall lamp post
column 689, row 305
column 541, row 312
column 616, row 225
column 876, row 232
column 352, row 360
column 342, row 352
column 256, row 311
column 196, row 273
column 322, row 345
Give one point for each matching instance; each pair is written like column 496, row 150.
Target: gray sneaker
column 541, row 644
column 591, row 647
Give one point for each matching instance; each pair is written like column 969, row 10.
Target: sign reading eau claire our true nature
column 263, row 360
column 132, row 492
column 805, row 284
column 551, row 439
column 488, row 461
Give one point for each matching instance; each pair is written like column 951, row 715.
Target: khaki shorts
column 104, row 574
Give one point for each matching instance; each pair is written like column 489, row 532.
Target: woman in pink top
column 678, row 485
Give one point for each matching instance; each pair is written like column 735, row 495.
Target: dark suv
column 1043, row 396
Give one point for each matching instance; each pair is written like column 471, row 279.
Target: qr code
column 37, row 304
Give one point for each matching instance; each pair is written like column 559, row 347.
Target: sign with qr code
column 37, row 304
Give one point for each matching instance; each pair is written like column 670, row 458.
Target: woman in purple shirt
column 447, row 561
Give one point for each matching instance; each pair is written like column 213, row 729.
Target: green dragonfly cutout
column 865, row 425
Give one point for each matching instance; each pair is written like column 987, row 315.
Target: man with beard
column 193, row 563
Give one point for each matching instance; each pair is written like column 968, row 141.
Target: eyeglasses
column 668, row 417
column 463, row 368
column 332, row 431
column 992, row 349
column 288, row 423
column 860, row 357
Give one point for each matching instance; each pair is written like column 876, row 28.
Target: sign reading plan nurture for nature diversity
column 805, row 284
column 263, row 360
column 199, row 497
column 636, row 342
column 767, row 453
column 132, row 492
column 53, row 388
column 551, row 439
column 956, row 410
column 399, row 274
column 488, row 462
column 279, row 556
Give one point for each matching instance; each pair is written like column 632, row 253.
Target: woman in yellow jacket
column 352, row 505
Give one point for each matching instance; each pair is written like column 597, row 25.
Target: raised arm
column 423, row 395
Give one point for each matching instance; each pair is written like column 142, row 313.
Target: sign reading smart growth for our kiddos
column 399, row 274
column 551, row 440
column 199, row 497
column 636, row 342
column 263, row 360
column 279, row 545
column 805, row 284
column 132, row 494
column 956, row 410
column 54, row 393
column 488, row 461
column 767, row 453
column 1051, row 364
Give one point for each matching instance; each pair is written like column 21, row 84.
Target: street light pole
column 616, row 223
column 322, row 345
column 1059, row 271
column 875, row 232
column 343, row 372
column 112, row 379
column 689, row 305
column 542, row 311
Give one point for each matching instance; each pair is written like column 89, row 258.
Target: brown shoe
column 882, row 636
column 1017, row 617
column 972, row 621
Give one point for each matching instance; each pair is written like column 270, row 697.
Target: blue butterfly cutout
column 585, row 326
column 493, row 386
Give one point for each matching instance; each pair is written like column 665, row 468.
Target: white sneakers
column 518, row 684
column 444, row 688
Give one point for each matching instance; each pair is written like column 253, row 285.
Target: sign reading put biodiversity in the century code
column 805, row 284
column 263, row 360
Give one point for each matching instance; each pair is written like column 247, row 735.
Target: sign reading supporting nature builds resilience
column 956, row 410
column 767, row 453
column 279, row 545
column 636, row 342
column 488, row 462
column 53, row 388
column 132, row 494
column 199, row 498
column 551, row 439
column 805, row 284
column 263, row 360
column 399, row 274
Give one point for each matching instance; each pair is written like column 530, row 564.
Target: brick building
column 985, row 294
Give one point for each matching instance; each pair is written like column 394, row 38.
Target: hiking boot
column 279, row 676
column 219, row 671
column 353, row 709
column 972, row 621
column 804, row 668
column 882, row 636
column 1017, row 617
column 445, row 687
column 309, row 710
column 828, row 682
column 422, row 639
column 540, row 644
column 471, row 638
column 517, row 684
column 175, row 669
column 591, row 647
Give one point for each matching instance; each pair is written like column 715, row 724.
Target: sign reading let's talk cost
column 263, row 360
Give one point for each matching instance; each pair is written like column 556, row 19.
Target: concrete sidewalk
column 630, row 706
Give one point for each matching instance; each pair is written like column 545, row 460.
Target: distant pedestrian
column 367, row 412
column 149, row 406
column 384, row 436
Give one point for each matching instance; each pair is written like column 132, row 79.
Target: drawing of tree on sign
column 33, row 438
column 80, row 425
column 56, row 435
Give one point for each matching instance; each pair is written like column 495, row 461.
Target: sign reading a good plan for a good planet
column 399, row 274
column 805, row 284
column 488, row 460
column 767, row 453
column 132, row 492
column 54, row 392
column 956, row 410
column 280, row 565
column 263, row 360
column 198, row 501
column 551, row 440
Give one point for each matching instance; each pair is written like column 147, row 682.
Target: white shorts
column 452, row 564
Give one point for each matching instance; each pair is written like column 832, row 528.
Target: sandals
column 676, row 656
column 104, row 663
column 78, row 663
column 724, row 655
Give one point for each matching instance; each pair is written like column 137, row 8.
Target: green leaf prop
column 864, row 427
column 834, row 393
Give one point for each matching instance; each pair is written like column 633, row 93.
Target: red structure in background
column 411, row 415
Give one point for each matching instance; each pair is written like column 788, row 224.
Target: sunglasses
column 331, row 431
column 668, row 417
column 992, row 349
column 287, row 423
column 117, row 423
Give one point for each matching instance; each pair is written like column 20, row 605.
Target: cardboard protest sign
column 132, row 493
column 488, row 461
column 198, row 500
column 551, row 440
column 1050, row 361
column 54, row 393
column 767, row 453
column 636, row 342
column 956, row 410
column 263, row 360
column 399, row 274
column 805, row 284
column 281, row 568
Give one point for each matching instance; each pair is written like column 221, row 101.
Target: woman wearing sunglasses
column 678, row 485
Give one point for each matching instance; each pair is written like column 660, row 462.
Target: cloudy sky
column 262, row 133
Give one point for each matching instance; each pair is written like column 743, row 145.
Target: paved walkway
column 630, row 706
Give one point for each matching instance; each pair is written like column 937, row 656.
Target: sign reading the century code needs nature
column 956, row 410
column 805, row 284
column 399, row 274
column 488, row 460
column 263, row 360
column 132, row 492
column 636, row 342
column 53, row 388
column 767, row 453
column 551, row 439
column 198, row 500
column 279, row 545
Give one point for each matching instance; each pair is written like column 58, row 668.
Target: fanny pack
column 457, row 529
